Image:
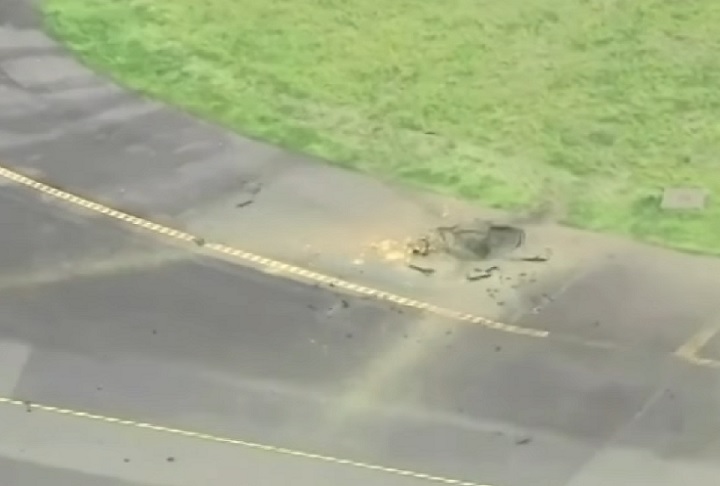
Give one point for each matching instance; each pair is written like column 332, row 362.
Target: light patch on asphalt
column 390, row 365
column 13, row 357
column 91, row 268
column 691, row 350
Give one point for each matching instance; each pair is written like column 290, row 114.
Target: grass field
column 588, row 106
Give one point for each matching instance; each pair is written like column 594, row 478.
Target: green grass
column 591, row 105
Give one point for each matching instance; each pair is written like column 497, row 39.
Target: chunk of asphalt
column 425, row 271
column 479, row 273
column 535, row 259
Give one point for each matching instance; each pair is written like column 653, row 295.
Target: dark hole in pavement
column 478, row 240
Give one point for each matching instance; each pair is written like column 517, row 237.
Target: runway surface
column 129, row 359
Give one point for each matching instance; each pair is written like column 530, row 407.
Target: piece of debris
column 479, row 273
column 199, row 241
column 28, row 406
column 534, row 259
column 170, row 459
column 523, row 441
column 249, row 190
column 420, row 247
column 683, row 198
column 425, row 271
column 345, row 304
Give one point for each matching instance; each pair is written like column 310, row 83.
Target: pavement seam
column 265, row 263
column 30, row 406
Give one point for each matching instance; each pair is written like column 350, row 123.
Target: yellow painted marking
column 263, row 263
column 235, row 442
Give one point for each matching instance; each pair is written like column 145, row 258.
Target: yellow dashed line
column 263, row 263
column 236, row 442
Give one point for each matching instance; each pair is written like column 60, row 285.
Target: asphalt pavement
column 198, row 344
column 248, row 378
